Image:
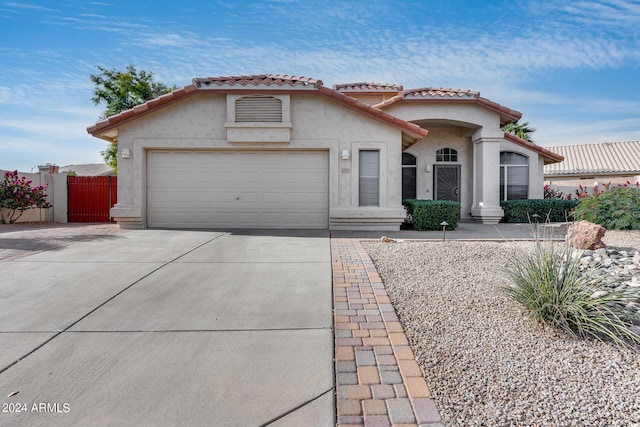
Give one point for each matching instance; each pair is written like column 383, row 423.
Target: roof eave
column 102, row 128
column 548, row 156
column 107, row 129
column 507, row 115
column 414, row 132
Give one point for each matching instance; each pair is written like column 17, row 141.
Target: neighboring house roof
column 594, row 159
column 438, row 94
column 107, row 129
column 367, row 87
column 93, row 169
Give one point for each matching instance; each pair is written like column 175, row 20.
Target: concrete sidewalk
column 158, row 327
column 466, row 230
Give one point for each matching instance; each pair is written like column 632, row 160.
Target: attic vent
column 258, row 109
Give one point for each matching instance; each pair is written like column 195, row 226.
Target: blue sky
column 571, row 67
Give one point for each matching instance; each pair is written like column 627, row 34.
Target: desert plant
column 17, row 195
column 552, row 287
column 614, row 208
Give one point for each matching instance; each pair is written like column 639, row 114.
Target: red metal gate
column 91, row 197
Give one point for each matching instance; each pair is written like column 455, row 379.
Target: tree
column 120, row 91
column 110, row 156
column 17, row 195
column 521, row 130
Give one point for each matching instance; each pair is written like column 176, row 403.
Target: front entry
column 446, row 182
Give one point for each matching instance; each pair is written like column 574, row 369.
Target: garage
column 236, row 189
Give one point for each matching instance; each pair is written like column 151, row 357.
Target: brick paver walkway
column 378, row 380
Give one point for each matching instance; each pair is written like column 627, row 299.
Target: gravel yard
column 485, row 362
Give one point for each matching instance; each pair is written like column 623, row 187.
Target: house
column 89, row 169
column 280, row 151
column 590, row 165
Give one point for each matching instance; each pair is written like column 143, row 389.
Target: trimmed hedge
column 428, row 214
column 521, row 211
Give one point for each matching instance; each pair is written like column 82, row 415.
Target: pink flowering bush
column 552, row 193
column 615, row 207
column 17, row 195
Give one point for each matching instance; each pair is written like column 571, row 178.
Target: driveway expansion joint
column 96, row 308
column 378, row 381
column 296, row 408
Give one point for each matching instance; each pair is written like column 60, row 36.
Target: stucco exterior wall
column 56, row 195
column 569, row 185
column 198, row 123
column 469, row 115
column 439, row 137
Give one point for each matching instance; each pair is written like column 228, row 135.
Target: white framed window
column 369, row 177
column 447, row 155
column 514, row 176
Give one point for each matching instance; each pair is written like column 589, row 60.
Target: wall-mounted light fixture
column 345, row 155
column 427, row 168
column 125, row 153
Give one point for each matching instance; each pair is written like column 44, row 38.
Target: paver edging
column 378, row 381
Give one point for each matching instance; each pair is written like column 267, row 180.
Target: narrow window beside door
column 409, row 175
column 369, row 177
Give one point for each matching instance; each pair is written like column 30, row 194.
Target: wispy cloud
column 514, row 61
column 608, row 13
column 31, row 7
column 556, row 132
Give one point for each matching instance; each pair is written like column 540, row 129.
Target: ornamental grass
column 555, row 290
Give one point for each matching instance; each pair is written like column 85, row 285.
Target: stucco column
column 486, row 181
column 128, row 211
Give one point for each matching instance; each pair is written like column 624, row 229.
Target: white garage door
column 205, row 189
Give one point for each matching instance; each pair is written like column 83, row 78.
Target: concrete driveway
column 159, row 327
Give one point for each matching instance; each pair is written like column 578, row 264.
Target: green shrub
column 615, row 208
column 550, row 210
column 549, row 283
column 428, row 214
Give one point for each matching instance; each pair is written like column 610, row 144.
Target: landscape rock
column 485, row 362
column 586, row 235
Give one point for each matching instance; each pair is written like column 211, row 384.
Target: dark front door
column 446, row 182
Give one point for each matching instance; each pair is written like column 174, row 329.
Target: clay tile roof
column 414, row 131
column 142, row 109
column 602, row 158
column 439, row 92
column 107, row 128
column 256, row 80
column 367, row 87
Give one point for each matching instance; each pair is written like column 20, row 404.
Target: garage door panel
column 237, row 190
